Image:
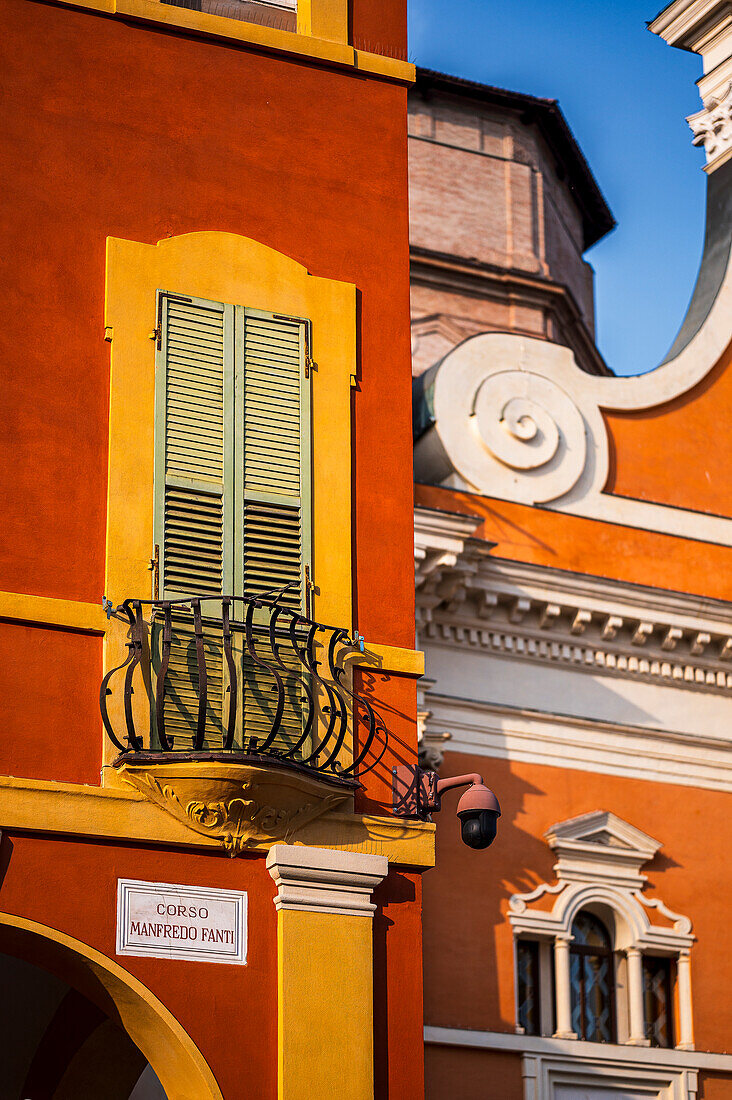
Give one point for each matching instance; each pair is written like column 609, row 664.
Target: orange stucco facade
column 118, row 126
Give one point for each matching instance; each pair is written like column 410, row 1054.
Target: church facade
column 573, row 536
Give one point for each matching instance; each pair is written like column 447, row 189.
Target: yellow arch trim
column 183, row 1071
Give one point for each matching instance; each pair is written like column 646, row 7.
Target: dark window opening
column 592, row 981
column 657, row 999
column 529, row 1002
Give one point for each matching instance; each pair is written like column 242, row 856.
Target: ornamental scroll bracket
column 239, row 805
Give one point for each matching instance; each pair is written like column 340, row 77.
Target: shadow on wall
column 390, row 894
column 468, row 956
column 55, row 1042
column 394, row 700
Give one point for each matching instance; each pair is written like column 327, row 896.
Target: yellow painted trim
column 323, row 19
column 333, row 993
column 390, row 67
column 72, row 809
column 328, row 41
column 390, row 658
column 183, row 1071
column 44, row 611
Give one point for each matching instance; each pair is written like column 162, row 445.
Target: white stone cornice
column 481, row 729
column 701, row 26
column 589, row 623
column 439, row 540
column 324, row 880
column 712, row 127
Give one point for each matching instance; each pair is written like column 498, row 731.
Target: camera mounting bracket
column 414, row 792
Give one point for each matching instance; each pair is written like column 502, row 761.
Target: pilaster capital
column 323, row 880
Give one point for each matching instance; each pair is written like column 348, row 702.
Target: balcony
column 237, row 715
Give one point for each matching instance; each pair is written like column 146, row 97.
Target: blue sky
column 625, row 94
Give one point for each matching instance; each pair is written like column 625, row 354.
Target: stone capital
column 324, row 880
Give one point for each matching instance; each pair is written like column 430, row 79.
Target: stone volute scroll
column 515, row 418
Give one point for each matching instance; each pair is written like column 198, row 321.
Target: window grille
column 592, row 981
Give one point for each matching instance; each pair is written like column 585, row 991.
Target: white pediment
column 599, row 860
column 600, row 846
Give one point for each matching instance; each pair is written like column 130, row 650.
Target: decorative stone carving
column 599, row 866
column 712, row 126
column 599, row 862
column 238, row 804
column 513, row 417
column 431, row 750
column 590, row 624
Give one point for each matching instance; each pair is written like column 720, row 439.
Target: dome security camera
column 418, row 793
column 478, row 810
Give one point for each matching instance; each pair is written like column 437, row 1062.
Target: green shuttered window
column 232, row 491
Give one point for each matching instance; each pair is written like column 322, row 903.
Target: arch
column 629, row 922
column 178, row 1063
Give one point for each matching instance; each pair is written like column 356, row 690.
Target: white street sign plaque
column 181, row 922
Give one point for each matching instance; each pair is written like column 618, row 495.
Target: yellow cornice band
column 323, row 16
column 112, row 813
column 90, row 618
column 391, row 658
column 45, row 611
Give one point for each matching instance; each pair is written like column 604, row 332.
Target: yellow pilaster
column 326, row 19
column 325, row 971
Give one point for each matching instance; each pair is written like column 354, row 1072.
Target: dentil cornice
column 465, row 597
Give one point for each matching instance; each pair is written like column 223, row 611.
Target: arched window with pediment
column 596, row 958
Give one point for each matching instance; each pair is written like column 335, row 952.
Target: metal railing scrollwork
column 267, row 683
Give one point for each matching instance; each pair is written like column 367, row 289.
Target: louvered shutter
column 274, row 461
column 194, row 494
column 275, row 456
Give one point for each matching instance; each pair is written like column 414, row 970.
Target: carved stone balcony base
column 239, row 799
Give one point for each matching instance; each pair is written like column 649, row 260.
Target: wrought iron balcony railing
column 271, row 684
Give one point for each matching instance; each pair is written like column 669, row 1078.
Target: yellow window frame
column 229, row 268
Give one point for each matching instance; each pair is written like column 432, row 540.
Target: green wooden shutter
column 274, row 456
column 274, row 463
column 194, row 494
column 233, row 496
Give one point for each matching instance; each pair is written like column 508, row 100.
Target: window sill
column 673, row 1057
column 252, row 34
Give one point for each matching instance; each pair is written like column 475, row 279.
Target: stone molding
column 514, row 417
column 600, row 857
column 439, row 540
column 712, row 127
column 705, row 28
column 325, row 881
column 601, row 872
column 601, row 840
column 585, row 744
column 660, row 1074
column 239, row 805
column 467, row 598
column 577, row 1048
